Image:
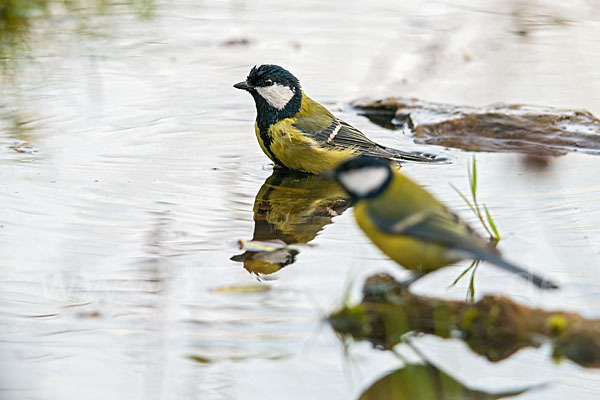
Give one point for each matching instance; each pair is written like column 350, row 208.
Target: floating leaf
column 277, row 357
column 243, row 289
column 199, row 359
column 255, row 245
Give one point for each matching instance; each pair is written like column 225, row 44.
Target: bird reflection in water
column 427, row 382
column 291, row 207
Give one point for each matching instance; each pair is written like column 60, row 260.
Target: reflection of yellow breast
column 299, row 152
column 411, row 253
column 291, row 207
column 298, row 208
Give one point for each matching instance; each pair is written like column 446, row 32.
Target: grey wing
column 438, row 226
column 343, row 135
column 445, row 228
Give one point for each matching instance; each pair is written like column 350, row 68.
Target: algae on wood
column 495, row 327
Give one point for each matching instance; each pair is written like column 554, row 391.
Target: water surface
column 129, row 170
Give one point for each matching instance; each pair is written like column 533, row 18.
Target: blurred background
column 129, row 170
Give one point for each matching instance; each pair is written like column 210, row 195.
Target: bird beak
column 242, row 85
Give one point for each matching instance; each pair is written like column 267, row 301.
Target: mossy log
column 495, row 326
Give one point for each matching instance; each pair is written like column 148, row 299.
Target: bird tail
column 496, row 259
column 415, row 156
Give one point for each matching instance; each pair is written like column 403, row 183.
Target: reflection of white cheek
column 276, row 95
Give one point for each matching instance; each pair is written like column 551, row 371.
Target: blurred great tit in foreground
column 410, row 225
column 298, row 133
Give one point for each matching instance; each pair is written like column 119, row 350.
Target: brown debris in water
column 498, row 127
column 238, row 41
column 495, row 327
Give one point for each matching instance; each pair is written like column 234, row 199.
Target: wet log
column 495, row 128
column 495, row 326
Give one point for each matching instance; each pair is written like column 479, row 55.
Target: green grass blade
column 473, row 179
column 472, row 287
column 463, row 273
column 462, row 196
column 491, row 221
column 472, row 282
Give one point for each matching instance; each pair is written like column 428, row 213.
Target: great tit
column 410, row 225
column 298, row 133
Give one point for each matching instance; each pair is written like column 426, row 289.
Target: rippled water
column 129, row 170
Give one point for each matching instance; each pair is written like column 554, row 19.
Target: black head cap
column 262, row 75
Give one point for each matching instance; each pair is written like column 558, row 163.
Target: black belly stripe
column 267, row 140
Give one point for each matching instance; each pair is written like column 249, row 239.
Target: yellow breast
column 412, row 254
column 298, row 151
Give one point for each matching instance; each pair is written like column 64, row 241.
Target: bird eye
column 268, row 82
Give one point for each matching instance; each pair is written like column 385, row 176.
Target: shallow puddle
column 130, row 170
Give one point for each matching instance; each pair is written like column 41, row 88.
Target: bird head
column 363, row 177
column 274, row 88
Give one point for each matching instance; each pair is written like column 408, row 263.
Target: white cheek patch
column 364, row 180
column 276, row 95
